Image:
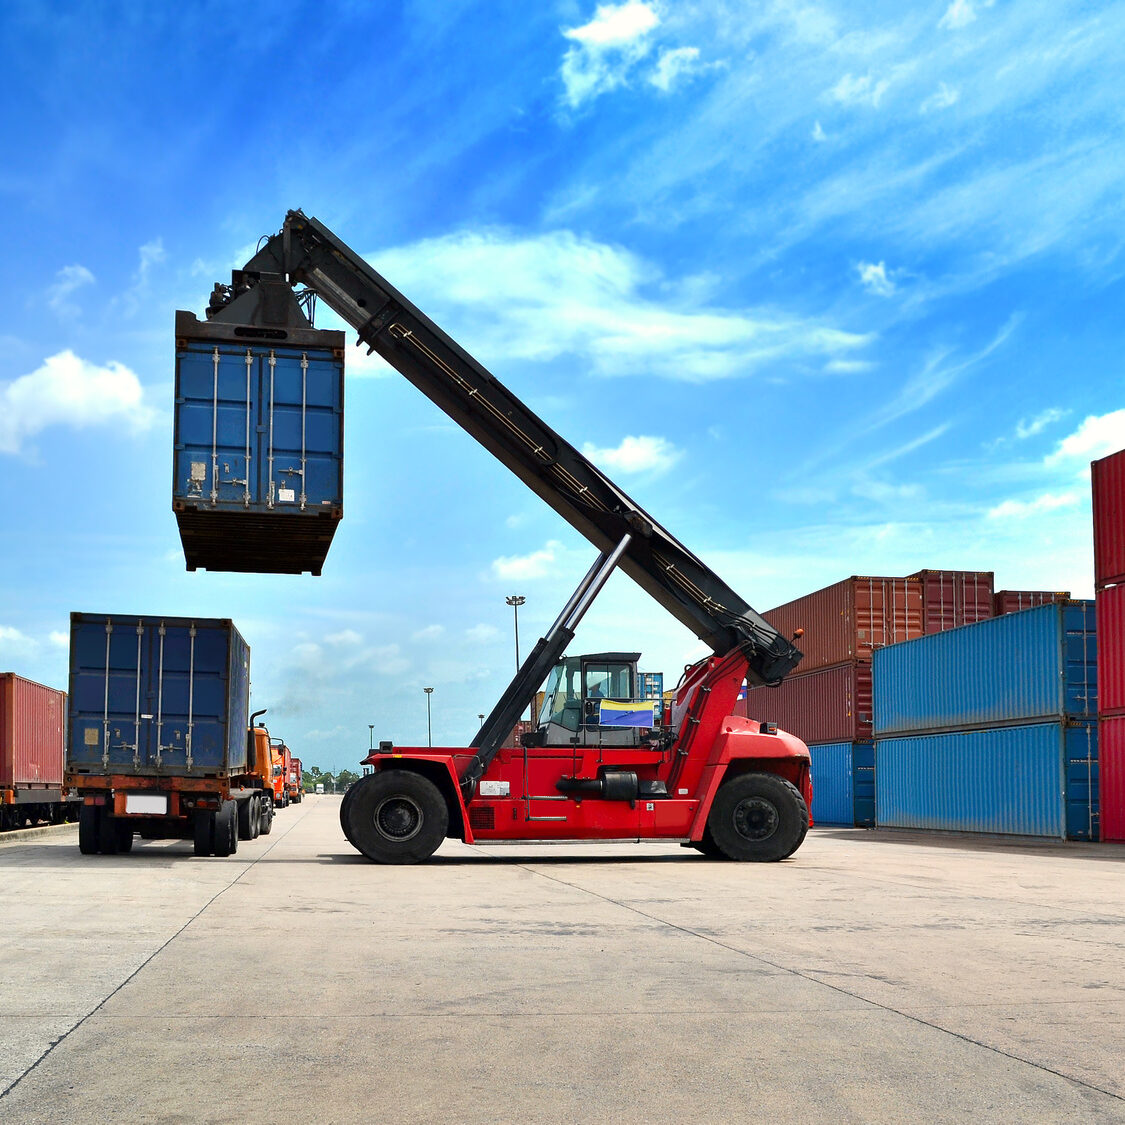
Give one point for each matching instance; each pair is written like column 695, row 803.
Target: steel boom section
column 307, row 252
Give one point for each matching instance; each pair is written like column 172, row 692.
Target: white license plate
column 148, row 804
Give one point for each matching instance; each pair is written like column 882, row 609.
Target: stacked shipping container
column 1108, row 481
column 828, row 702
column 32, row 724
column 992, row 727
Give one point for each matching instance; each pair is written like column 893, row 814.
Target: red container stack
column 952, row 598
column 1108, row 481
column 32, row 720
column 829, row 698
column 1012, row 601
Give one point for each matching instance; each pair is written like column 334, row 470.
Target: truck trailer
column 158, row 742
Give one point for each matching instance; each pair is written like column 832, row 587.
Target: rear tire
column 123, row 831
column 266, row 821
column 88, row 830
column 226, row 829
column 345, row 804
column 758, row 817
column 246, row 819
column 203, row 828
column 708, row 846
column 107, row 831
column 396, row 817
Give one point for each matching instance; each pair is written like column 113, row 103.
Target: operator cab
column 593, row 701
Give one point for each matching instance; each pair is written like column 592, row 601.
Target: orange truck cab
column 280, row 775
column 295, row 780
column 261, row 758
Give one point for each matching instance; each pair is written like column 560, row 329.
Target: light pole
column 429, row 730
column 515, row 601
column 371, row 736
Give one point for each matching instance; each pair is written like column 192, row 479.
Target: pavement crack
column 813, row 979
column 149, row 959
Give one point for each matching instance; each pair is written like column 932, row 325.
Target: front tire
column 758, row 817
column 396, row 816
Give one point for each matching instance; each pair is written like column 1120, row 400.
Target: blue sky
column 830, row 288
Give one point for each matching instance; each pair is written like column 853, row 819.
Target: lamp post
column 371, row 736
column 515, row 601
column 480, row 715
column 429, row 729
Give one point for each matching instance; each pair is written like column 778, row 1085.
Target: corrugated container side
column 32, row 723
column 1111, row 776
column 1006, row 780
column 1037, row 664
column 258, row 462
column 828, row 705
column 1108, row 486
column 832, row 784
column 1111, row 650
column 157, row 696
column 851, row 619
column 952, row 598
column 1080, row 751
column 1013, row 601
column 863, row 783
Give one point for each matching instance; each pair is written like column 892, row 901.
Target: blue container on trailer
column 157, row 696
column 843, row 782
column 1033, row 780
column 1040, row 663
column 257, row 479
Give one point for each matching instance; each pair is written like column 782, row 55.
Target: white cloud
column 59, row 639
column 1021, row 509
column 639, row 454
column 605, row 49
column 481, row 634
column 67, row 280
column 942, row 98
column 345, row 637
column 1098, row 436
column 1026, row 429
column 428, row 633
column 70, row 391
column 544, row 296
column 860, row 90
column 535, row 565
column 847, row 366
column 818, row 134
column 15, row 643
column 959, row 14
column 874, row 278
column 673, row 65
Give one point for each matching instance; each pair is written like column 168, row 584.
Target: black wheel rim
column 398, row 818
column 756, row 819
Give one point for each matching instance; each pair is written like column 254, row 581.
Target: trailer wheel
column 759, row 817
column 396, row 817
column 247, row 821
column 226, row 829
column 123, row 835
column 345, row 804
column 203, row 829
column 265, row 822
column 107, row 831
column 88, row 829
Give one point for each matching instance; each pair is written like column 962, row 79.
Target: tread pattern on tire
column 786, row 798
column 382, row 785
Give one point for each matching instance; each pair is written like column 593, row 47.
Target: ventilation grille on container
column 482, row 817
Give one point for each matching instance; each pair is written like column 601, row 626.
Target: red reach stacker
column 599, row 766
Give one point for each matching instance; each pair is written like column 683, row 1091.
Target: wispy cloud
column 539, row 297
column 69, row 391
column 1022, row 509
column 675, row 65
column 67, row 281
column 959, row 14
column 860, row 89
column 1098, row 436
column 942, row 98
column 1028, row 428
column 643, row 454
column 873, row 276
column 537, row 564
column 603, row 51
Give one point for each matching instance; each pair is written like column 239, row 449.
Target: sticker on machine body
column 494, row 789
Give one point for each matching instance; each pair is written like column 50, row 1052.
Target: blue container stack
column 843, row 780
column 992, row 727
column 157, row 696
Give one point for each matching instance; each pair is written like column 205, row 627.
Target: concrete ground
column 873, row 977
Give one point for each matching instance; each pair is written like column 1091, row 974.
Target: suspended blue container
column 1033, row 780
column 1039, row 664
column 257, row 476
column 157, row 696
column 843, row 780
